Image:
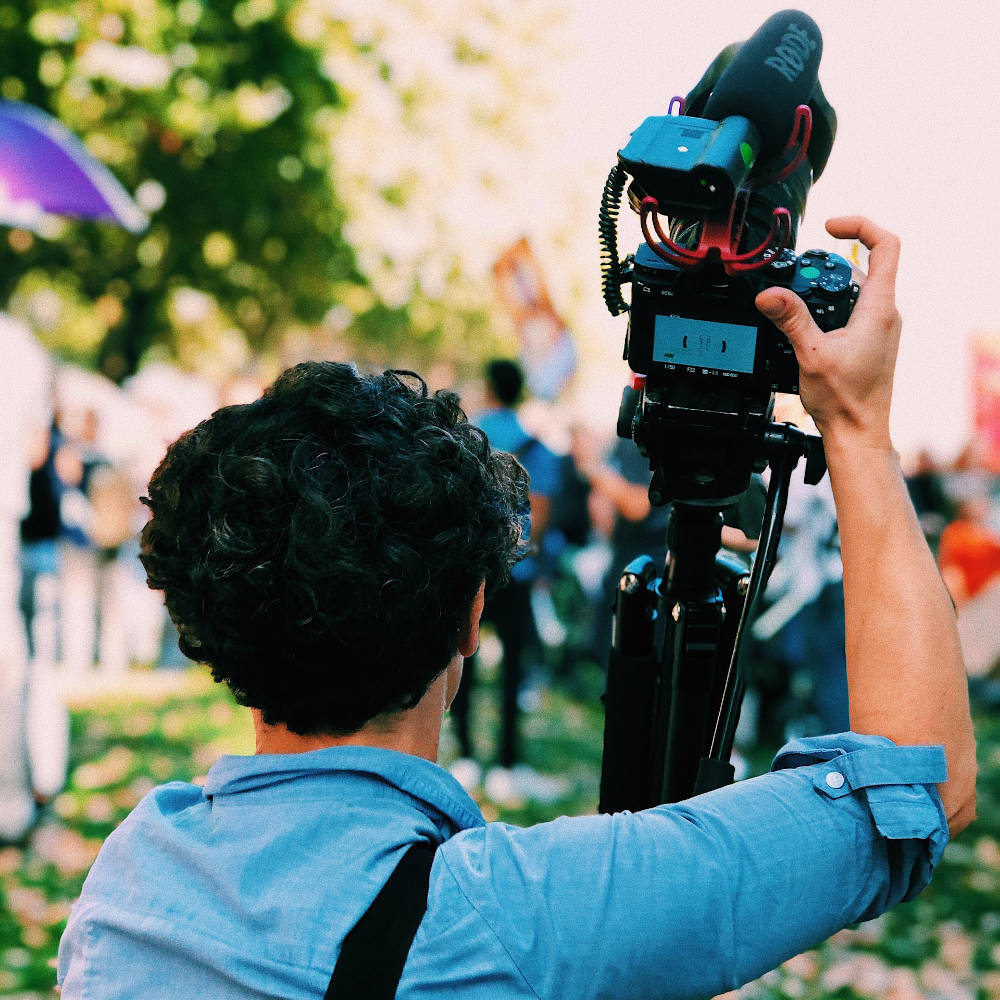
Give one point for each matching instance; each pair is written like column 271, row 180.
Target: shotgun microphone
column 770, row 75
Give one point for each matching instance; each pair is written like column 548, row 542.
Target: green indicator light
column 746, row 151
column 810, row 272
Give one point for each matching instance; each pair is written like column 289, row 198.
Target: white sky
column 917, row 149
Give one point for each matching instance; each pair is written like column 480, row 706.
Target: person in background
column 46, row 717
column 40, row 532
column 26, row 394
column 508, row 610
column 98, row 514
column 969, row 557
column 930, row 498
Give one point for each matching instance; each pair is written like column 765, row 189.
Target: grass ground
column 945, row 945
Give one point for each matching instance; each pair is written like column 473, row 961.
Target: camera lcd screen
column 680, row 340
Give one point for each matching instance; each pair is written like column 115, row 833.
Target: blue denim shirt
column 246, row 887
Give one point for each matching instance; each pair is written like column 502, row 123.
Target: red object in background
column 972, row 548
column 986, row 396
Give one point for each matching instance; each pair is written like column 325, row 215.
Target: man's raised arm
column 905, row 672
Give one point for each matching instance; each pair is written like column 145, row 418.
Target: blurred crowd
column 77, row 614
column 591, row 515
column 82, row 595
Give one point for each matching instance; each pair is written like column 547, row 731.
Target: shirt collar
column 424, row 780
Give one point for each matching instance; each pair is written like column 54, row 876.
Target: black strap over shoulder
column 374, row 952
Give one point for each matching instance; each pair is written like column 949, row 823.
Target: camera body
column 702, row 326
column 709, row 363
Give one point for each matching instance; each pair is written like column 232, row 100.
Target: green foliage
column 222, row 118
column 219, row 119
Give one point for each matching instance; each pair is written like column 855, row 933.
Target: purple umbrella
column 44, row 168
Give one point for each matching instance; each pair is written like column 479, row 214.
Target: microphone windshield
column 768, row 77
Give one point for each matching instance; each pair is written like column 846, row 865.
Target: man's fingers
column 883, row 248
column 788, row 313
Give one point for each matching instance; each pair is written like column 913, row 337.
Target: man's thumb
column 787, row 312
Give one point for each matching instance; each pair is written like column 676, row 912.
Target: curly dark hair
column 321, row 547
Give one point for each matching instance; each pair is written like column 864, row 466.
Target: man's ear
column 468, row 638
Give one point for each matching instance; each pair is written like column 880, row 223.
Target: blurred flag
column 46, row 170
column 548, row 354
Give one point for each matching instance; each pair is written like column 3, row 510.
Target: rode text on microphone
column 792, row 53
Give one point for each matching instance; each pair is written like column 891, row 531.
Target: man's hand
column 846, row 374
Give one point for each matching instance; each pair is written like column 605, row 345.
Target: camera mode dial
column 825, row 282
column 780, row 268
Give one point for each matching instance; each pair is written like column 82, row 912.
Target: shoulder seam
column 492, row 929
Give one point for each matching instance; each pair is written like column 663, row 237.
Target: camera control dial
column 834, row 284
column 823, row 280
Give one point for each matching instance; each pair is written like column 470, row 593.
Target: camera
column 710, row 331
column 729, row 167
column 707, row 362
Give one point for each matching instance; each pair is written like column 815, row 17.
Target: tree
column 309, row 170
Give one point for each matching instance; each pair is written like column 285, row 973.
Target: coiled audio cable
column 613, row 270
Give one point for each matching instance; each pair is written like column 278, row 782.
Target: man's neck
column 416, row 731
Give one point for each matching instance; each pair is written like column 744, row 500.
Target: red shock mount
column 719, row 236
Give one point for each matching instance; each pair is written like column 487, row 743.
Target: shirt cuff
column 899, row 782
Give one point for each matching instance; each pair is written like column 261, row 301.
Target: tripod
column 675, row 681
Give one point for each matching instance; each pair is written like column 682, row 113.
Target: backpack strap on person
column 524, row 447
column 374, row 952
